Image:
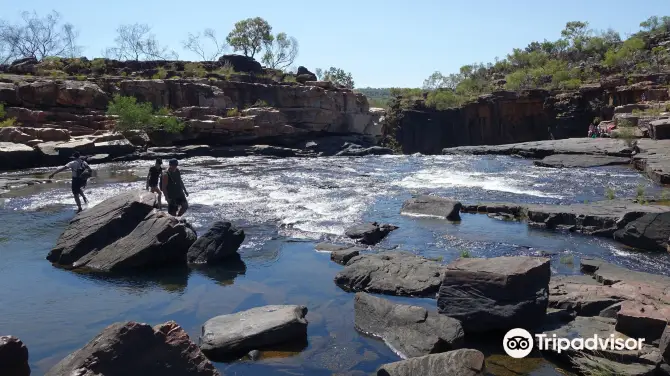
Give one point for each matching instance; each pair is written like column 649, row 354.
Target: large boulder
column 433, row 206
column 101, row 225
column 13, row 357
column 463, row 362
column 499, row 293
column 65, row 93
column 133, row 348
column 369, row 233
column 664, row 345
column 219, row 243
column 411, row 331
column 17, row 156
column 302, row 71
column 391, row 273
column 158, row 240
column 649, row 232
column 241, row 63
column 14, row 134
column 254, row 329
column 659, row 129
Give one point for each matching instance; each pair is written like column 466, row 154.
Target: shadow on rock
column 225, row 273
column 171, row 279
column 280, row 351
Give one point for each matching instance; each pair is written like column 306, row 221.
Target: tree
column 280, row 52
column 439, row 81
column 250, row 35
column 656, row 24
column 38, row 37
column 195, row 44
column 318, row 72
column 134, row 42
column 338, row 76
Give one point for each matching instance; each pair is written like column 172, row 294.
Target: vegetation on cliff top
column 581, row 55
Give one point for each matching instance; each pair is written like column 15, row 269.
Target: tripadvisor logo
column 518, row 343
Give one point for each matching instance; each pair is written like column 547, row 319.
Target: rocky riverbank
column 248, row 112
column 653, row 156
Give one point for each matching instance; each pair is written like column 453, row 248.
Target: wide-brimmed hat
column 174, row 162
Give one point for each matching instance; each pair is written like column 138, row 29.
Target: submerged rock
column 219, row 243
column 158, row 240
column 499, row 293
column 410, row 331
column 433, row 206
column 132, row 348
column 101, row 225
column 649, row 232
column 392, row 273
column 341, row 254
column 238, row 333
column 13, row 357
column 463, row 362
column 369, row 233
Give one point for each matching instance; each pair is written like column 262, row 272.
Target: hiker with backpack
column 154, row 177
column 81, row 171
column 174, row 190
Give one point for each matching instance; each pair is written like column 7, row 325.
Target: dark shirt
column 174, row 185
column 154, row 175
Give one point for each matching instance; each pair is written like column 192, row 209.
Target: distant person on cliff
column 80, row 172
column 174, row 190
column 154, row 177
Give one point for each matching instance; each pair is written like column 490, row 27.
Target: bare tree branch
column 38, row 37
column 134, row 42
column 280, row 52
column 195, row 44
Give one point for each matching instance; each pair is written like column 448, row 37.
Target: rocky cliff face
column 242, row 108
column 505, row 117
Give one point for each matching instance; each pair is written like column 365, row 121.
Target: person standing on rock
column 80, row 169
column 153, row 178
column 174, row 190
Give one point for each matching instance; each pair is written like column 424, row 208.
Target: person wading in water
column 174, row 190
column 154, row 178
column 80, row 171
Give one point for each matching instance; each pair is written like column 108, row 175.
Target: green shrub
column 639, row 194
column 465, row 254
column 609, row 193
column 194, row 70
column 141, row 116
column 124, row 74
column 597, row 120
column 81, row 77
column 233, row 112
column 98, row 65
column 161, row 74
column 226, row 70
column 7, row 123
column 260, row 103
column 289, row 78
column 52, row 63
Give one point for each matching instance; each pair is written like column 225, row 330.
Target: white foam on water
column 439, row 178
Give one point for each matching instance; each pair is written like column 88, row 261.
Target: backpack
column 83, row 170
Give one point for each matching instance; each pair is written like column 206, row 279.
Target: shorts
column 174, row 204
column 77, row 185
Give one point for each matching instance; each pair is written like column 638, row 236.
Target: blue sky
column 392, row 43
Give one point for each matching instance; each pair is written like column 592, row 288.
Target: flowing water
column 285, row 207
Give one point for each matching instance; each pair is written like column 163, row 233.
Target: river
column 286, row 206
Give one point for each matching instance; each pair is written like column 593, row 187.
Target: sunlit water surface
column 285, row 207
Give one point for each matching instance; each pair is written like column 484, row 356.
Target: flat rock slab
column 221, row 241
column 369, row 233
column 653, row 159
column 101, row 225
column 17, row 156
column 499, row 293
column 137, row 349
column 410, row 331
column 392, row 273
column 649, row 232
column 581, row 161
column 463, row 362
column 13, row 357
column 158, row 240
column 340, row 253
column 238, row 333
column 433, row 206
